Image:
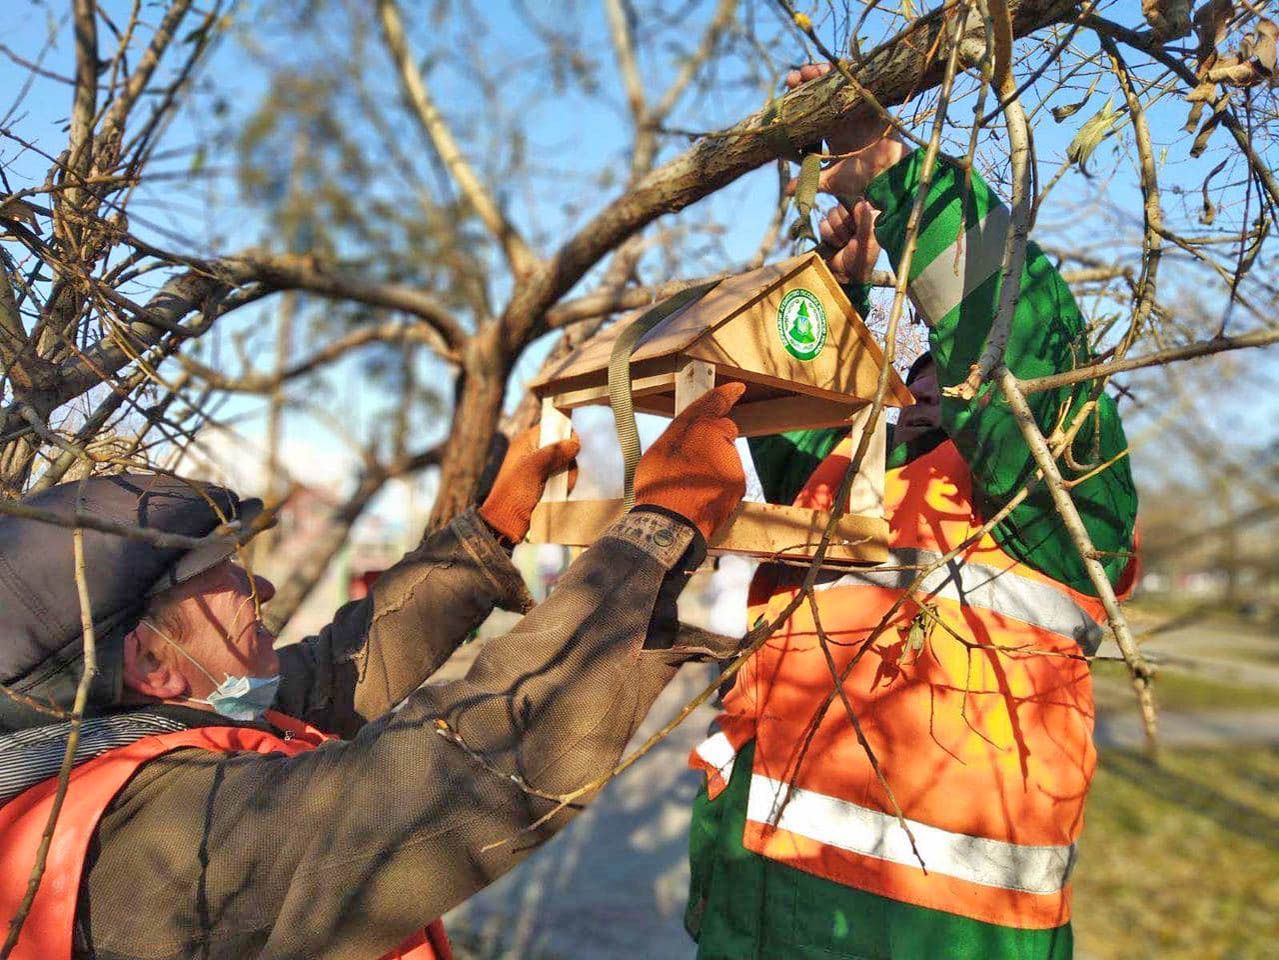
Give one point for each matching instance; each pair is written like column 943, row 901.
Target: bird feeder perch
column 790, row 334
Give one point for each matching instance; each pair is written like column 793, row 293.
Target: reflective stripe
column 982, row 586
column 718, row 752
column 872, row 833
column 962, row 267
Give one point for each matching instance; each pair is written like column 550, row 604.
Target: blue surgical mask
column 243, row 698
column 236, row 697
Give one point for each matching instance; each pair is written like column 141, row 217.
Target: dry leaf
column 1205, row 133
column 1252, row 63
column 1167, row 18
column 1211, row 24
column 1070, row 109
column 1209, row 210
column 1263, row 47
column 1090, row 135
column 18, row 210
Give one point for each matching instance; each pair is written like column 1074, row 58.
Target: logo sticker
column 801, row 324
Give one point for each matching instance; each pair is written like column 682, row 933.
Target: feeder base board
column 757, row 529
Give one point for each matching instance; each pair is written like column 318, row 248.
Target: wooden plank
column 866, row 496
column 789, row 413
column 555, row 426
column 756, row 529
column 899, row 394
column 846, row 369
column 692, row 380
column 735, row 327
column 593, row 396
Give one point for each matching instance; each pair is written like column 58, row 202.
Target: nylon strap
column 619, row 379
column 810, row 168
column 774, row 132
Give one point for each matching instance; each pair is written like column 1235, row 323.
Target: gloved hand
column 693, row 467
column 519, row 484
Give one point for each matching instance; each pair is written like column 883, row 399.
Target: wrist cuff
column 695, row 553
column 663, row 534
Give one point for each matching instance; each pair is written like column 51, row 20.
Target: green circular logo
column 801, row 324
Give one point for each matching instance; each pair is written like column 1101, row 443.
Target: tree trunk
column 482, row 388
column 16, row 461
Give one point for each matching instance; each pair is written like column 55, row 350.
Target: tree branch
column 623, row 45
column 89, row 667
column 84, row 99
column 1219, row 104
column 391, row 332
column 894, row 71
column 303, row 273
column 518, row 255
column 1074, row 524
column 1201, row 348
column 688, row 69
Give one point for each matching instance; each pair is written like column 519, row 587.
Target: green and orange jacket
column 743, row 905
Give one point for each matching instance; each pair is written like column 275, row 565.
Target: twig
column 1190, row 351
column 1142, row 675
column 90, row 669
column 1014, row 258
column 88, row 521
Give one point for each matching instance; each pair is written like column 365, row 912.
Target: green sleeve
column 785, row 461
column 954, row 281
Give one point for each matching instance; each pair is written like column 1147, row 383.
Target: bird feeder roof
column 784, row 329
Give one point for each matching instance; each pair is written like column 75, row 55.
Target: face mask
column 243, row 698
column 236, row 698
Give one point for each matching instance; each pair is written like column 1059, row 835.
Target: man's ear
column 148, row 674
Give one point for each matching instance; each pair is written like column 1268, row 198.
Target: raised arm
column 381, row 648
column 954, row 281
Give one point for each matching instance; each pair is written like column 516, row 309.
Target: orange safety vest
column 979, row 711
column 48, row 929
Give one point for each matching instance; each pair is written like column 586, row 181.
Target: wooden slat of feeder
column 847, row 370
column 775, row 412
column 756, row 529
column 641, row 387
column 789, row 413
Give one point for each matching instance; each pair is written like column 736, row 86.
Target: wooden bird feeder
column 790, row 334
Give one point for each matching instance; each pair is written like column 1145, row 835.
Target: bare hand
column 852, row 234
column 868, row 141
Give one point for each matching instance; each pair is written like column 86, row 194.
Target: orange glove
column 693, row 467
column 519, row 484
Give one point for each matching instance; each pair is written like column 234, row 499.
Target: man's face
column 924, row 415
column 221, row 629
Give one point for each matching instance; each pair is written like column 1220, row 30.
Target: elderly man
column 198, row 822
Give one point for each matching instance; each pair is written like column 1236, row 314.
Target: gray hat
column 40, row 636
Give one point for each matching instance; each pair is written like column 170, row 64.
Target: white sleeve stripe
column 963, row 266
